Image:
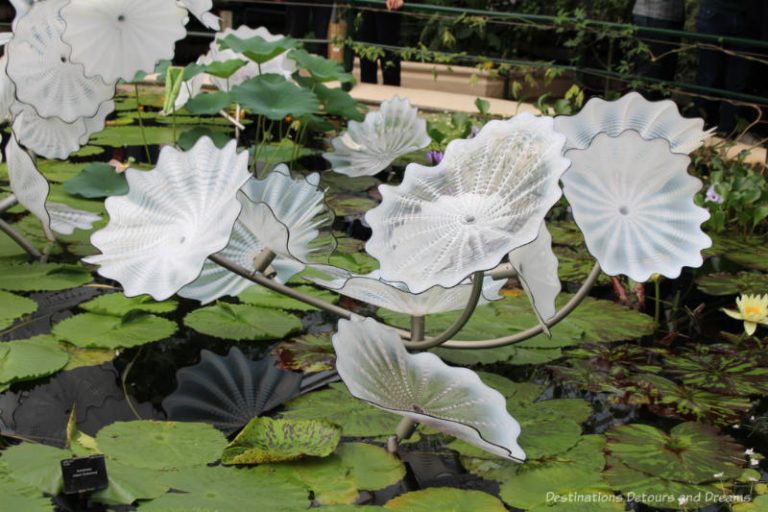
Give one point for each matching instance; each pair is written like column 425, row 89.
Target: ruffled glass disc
column 633, row 200
column 115, row 39
column 7, row 90
column 370, row 146
column 651, row 119
column 28, row 185
column 40, row 67
column 372, row 290
column 201, row 9
column 65, row 219
column 375, row 366
column 280, row 214
column 161, row 233
column 536, row 267
column 486, row 197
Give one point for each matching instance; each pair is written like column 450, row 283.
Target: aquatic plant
column 752, row 310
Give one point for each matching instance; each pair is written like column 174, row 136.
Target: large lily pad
column 692, row 452
column 266, row 440
column 445, row 499
column 746, row 251
column 732, row 284
column 128, row 484
column 729, row 374
column 36, row 465
column 58, row 171
column 117, row 304
column 274, row 97
column 97, row 180
column 356, row 418
column 308, row 354
column 123, row 136
column 266, row 298
column 242, row 322
column 161, row 445
column 91, row 330
column 18, row 496
column 12, row 307
column 30, row 359
column 42, row 276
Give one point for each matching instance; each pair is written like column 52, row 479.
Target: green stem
column 173, row 120
column 141, row 123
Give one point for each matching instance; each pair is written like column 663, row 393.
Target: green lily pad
column 691, row 452
column 733, row 284
column 13, row 307
column 257, row 48
column 58, row 171
column 42, row 276
column 128, row 484
column 355, row 417
column 283, row 151
column 242, row 322
column 308, row 354
column 746, row 251
column 18, row 496
column 266, row 440
column 36, row 465
column 266, row 298
column 219, row 136
column 320, row 69
column 90, row 330
column 79, row 357
column 274, row 97
column 97, row 180
column 226, row 489
column 123, row 136
column 522, row 393
column 30, row 359
column 59, row 195
column 349, row 205
column 161, row 445
column 336, row 183
column 117, row 304
column 735, row 374
column 445, row 499
column 357, row 262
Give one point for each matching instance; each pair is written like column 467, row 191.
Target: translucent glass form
column 228, row 391
column 487, row 197
column 173, row 217
column 371, row 289
column 28, row 185
column 536, row 267
column 65, row 220
column 7, row 90
column 651, row 119
column 201, row 9
column 369, row 147
column 633, row 200
column 375, row 366
column 280, row 214
column 115, row 39
column 40, row 67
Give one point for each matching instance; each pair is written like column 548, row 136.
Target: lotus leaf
column 30, row 359
column 41, row 276
column 161, row 445
column 125, row 136
column 732, row 284
column 265, row 298
column 266, row 440
column 118, row 304
column 242, row 322
column 91, row 330
column 257, row 48
column 338, row 102
column 58, row 171
column 274, row 97
column 321, row 69
column 12, row 307
column 210, row 103
column 97, row 180
column 445, row 500
column 188, row 139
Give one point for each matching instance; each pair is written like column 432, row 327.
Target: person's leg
column 737, row 72
column 388, row 33
column 297, row 21
column 711, row 63
column 367, row 34
column 661, row 48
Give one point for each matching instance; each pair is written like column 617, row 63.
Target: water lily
column 712, row 196
column 753, row 310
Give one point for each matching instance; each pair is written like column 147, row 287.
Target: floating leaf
column 97, row 180
column 274, row 97
column 42, row 276
column 12, row 307
column 162, row 445
column 108, row 331
column 746, row 251
column 117, row 304
column 242, row 322
column 445, row 500
column 735, row 375
column 257, row 48
column 18, row 496
column 124, row 136
column 265, row 440
column 36, row 465
column 128, row 484
column 732, row 284
column 308, row 354
column 189, row 138
column 58, row 171
column 266, row 298
column 30, row 359
column 321, row 69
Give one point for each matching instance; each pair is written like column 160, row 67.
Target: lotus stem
column 232, row 120
column 8, row 202
column 141, row 123
column 20, row 240
column 237, row 116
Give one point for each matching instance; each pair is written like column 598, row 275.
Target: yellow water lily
column 753, row 310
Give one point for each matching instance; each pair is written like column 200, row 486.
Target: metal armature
column 29, row 248
column 415, row 339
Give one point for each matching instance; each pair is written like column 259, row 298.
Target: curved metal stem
column 8, row 202
column 580, row 295
column 20, row 240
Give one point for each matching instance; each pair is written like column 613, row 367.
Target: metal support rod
column 263, row 260
column 417, row 328
column 8, row 202
column 20, row 240
column 580, row 295
column 407, row 426
column 231, row 119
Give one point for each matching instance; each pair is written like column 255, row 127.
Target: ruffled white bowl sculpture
column 280, row 214
column 488, row 196
column 173, row 217
column 28, row 185
column 371, row 289
column 633, row 200
column 375, row 366
column 369, row 147
column 115, row 39
column 65, row 219
column 201, row 9
column 651, row 119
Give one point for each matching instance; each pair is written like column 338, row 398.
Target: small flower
column 718, row 475
column 118, row 165
column 434, row 157
column 753, row 310
column 712, row 196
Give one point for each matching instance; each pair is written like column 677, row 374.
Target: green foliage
column 118, row 304
column 242, row 322
column 274, row 97
column 319, row 68
column 445, row 500
column 41, row 276
column 30, row 359
column 443, row 129
column 307, row 354
column 97, row 180
column 732, row 284
column 91, row 330
column 266, row 298
column 12, row 307
column 257, row 48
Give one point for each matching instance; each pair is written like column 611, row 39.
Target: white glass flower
column 487, row 197
column 22, row 7
column 201, row 9
column 651, row 119
column 371, row 289
column 536, row 267
column 375, row 366
column 7, row 90
column 28, row 185
column 115, row 39
column 173, row 217
column 280, row 214
column 633, row 200
column 65, row 219
column 369, row 147
column 40, row 67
